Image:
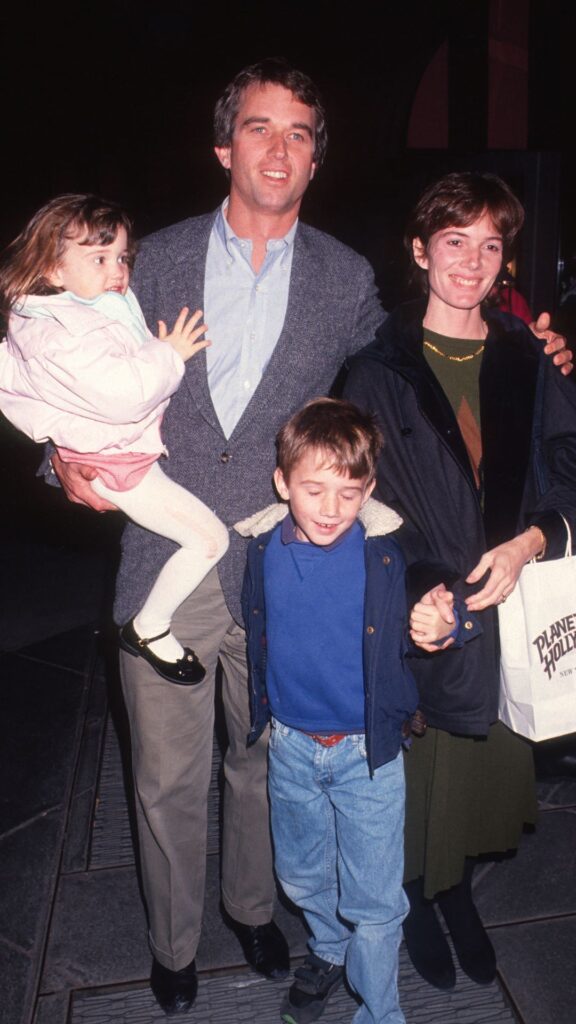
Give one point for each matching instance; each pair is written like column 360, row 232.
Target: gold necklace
column 454, row 359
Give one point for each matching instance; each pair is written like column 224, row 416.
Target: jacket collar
column 376, row 518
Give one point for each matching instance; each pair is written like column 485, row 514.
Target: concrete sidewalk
column 73, row 931
column 73, row 946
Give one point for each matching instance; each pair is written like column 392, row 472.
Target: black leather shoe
column 264, row 947
column 425, row 941
column 187, row 671
column 174, row 991
column 556, row 758
column 472, row 944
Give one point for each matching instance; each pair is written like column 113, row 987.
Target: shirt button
column 386, row 559
column 225, row 457
column 468, row 625
column 370, row 630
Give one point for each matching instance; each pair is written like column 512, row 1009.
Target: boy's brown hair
column 350, row 438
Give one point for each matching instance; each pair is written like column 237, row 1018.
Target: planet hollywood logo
column 557, row 640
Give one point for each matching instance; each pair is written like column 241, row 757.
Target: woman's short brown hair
column 350, row 439
column 460, row 199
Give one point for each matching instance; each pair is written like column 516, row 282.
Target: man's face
column 324, row 503
column 271, row 156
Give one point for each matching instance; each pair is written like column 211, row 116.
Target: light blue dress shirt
column 245, row 313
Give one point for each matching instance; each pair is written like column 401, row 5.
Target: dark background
column 117, row 98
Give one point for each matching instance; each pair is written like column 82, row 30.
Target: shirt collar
column 228, row 237
column 288, row 535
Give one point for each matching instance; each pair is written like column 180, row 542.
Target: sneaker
column 314, row 983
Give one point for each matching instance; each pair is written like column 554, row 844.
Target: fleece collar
column 376, row 518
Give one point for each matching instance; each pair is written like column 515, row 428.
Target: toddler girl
column 80, row 368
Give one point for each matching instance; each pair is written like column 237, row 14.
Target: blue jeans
column 338, row 849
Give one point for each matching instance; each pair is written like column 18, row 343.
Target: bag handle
column 568, row 551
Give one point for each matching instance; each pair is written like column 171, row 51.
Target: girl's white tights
column 160, row 505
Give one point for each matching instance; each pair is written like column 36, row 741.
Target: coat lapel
column 293, row 336
column 185, row 287
column 507, row 393
column 409, row 361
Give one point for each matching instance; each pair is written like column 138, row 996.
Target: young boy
column 325, row 610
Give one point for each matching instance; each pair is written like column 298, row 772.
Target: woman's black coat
column 424, row 472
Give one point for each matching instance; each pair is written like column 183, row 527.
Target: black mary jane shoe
column 187, row 671
column 174, row 991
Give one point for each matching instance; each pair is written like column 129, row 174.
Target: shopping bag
column 538, row 649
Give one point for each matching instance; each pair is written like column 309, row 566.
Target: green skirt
column 465, row 796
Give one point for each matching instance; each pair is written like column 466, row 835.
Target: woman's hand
column 185, row 333
column 505, row 563
column 432, row 618
column 75, row 478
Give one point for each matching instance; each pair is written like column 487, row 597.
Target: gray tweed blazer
column 333, row 310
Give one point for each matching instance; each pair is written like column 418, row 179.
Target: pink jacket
column 87, row 374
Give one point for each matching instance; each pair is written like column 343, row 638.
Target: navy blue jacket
column 424, row 472
column 391, row 696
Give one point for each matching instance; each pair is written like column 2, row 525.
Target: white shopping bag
column 538, row 650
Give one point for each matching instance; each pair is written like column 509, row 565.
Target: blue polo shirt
column 315, row 619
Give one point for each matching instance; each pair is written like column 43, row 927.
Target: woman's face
column 462, row 263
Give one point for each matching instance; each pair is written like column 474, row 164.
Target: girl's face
column 462, row 263
column 90, row 270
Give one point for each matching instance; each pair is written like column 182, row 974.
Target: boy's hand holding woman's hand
column 432, row 619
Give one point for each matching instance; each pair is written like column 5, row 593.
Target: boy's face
column 324, row 503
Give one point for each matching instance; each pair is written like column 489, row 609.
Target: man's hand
column 432, row 618
column 555, row 343
column 185, row 333
column 75, row 478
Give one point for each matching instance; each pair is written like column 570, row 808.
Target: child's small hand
column 433, row 618
column 185, row 333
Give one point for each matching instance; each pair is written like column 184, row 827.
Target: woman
column 455, row 390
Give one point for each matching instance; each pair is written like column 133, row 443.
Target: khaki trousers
column 172, row 734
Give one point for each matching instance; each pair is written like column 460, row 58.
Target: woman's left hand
column 505, row 563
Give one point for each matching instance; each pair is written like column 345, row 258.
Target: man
column 285, row 304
